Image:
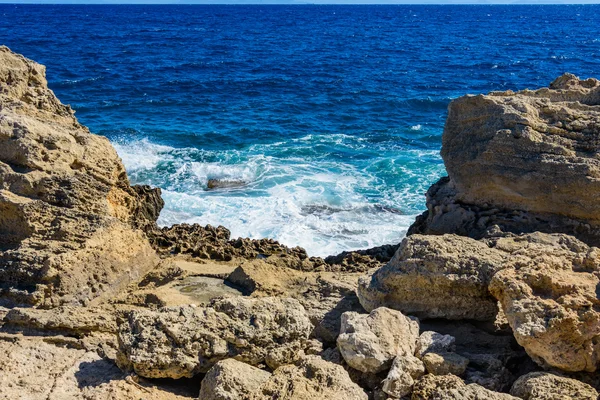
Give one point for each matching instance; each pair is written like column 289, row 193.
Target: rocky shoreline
column 492, row 295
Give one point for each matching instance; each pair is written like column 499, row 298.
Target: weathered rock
column 523, row 161
column 552, row 303
column 451, row 387
column 70, row 321
column 183, row 341
column 369, row 343
column 436, row 277
column 312, row 379
column 546, row 386
column 232, row 380
column 445, row 363
column 66, row 206
column 402, row 376
column 430, row 341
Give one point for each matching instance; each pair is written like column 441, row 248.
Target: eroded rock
column 546, row 386
column 402, row 376
column 183, row 341
column 232, row 380
column 451, row 387
column 369, row 343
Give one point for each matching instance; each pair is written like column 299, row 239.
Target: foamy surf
column 301, row 192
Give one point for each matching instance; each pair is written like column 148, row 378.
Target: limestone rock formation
column 436, row 277
column 232, row 380
column 430, row 341
column 402, row 376
column 67, row 210
column 451, row 387
column 183, row 341
column 444, row 363
column 370, row 343
column 552, row 304
column 546, row 386
column 311, row 379
column 523, row 161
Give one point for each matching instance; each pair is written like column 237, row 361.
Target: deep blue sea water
column 332, row 115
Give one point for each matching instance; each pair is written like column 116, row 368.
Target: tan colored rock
column 312, row 379
column 183, row 341
column 430, row 341
column 451, row 387
column 67, row 209
column 445, row 363
column 551, row 304
column 546, row 386
column 402, row 376
column 436, row 277
column 48, row 368
column 370, row 343
column 232, row 380
column 523, row 162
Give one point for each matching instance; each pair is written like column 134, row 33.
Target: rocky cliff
column 492, row 296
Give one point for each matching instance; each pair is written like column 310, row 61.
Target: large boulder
column 552, row 303
column 523, row 161
column 436, row 277
column 184, row 341
column 67, row 211
column 547, row 386
column 370, row 343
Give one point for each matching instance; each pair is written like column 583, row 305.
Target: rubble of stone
column 492, row 295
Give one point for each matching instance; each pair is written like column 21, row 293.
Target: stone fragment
column 451, row 387
column 430, row 341
column 183, row 341
column 402, row 376
column 311, row 379
column 369, row 343
column 232, row 380
column 445, row 363
column 547, row 386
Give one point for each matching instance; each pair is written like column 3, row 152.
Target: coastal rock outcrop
column 184, row 341
column 522, row 161
column 67, row 211
column 451, row 387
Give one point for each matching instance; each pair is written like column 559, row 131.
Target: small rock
column 547, row 386
column 402, row 376
column 445, row 363
column 232, row 380
column 430, row 341
column 451, row 387
column 369, row 343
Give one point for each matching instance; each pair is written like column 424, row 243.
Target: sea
column 324, row 121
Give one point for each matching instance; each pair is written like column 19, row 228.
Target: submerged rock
column 67, row 210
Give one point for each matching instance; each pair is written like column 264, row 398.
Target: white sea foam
column 324, row 205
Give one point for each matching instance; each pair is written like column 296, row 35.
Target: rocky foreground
column 493, row 295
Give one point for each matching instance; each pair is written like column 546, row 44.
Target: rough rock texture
column 402, row 376
column 49, row 368
column 436, row 277
column 546, row 386
column 66, row 206
column 523, row 161
column 445, row 363
column 215, row 243
column 311, row 379
column 430, row 341
column 451, row 387
column 324, row 295
column 552, row 304
column 369, row 343
column 183, row 341
column 232, row 380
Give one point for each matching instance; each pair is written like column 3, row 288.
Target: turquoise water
column 331, row 116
